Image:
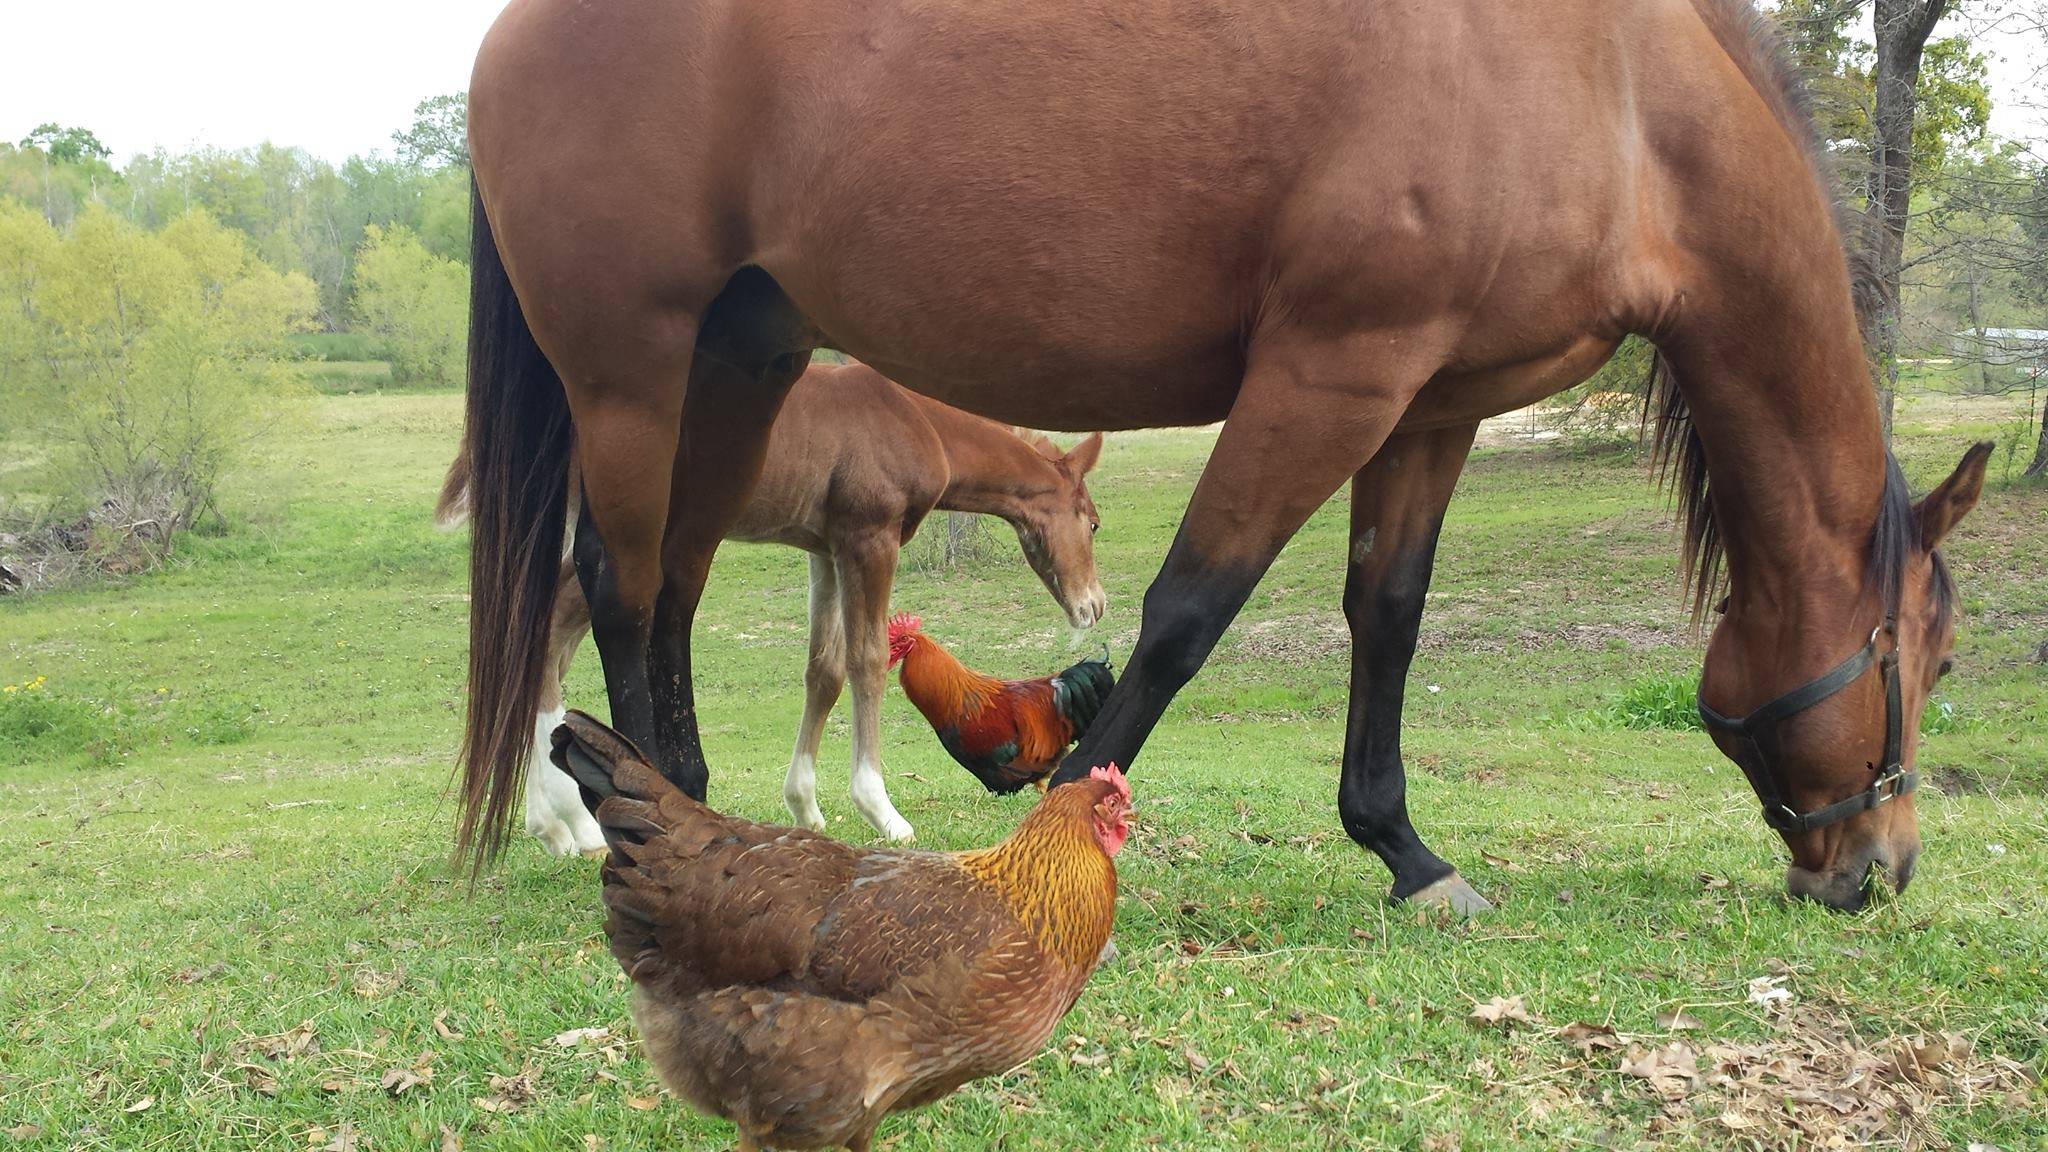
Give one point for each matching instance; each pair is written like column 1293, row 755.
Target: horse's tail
column 451, row 510
column 517, row 443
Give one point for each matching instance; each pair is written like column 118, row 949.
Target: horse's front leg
column 1397, row 509
column 1306, row 418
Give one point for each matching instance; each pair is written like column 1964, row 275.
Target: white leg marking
column 800, row 791
column 554, row 805
column 871, row 797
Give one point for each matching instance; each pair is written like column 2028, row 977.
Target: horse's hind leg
column 1397, row 508
column 554, row 805
column 752, row 346
column 824, row 676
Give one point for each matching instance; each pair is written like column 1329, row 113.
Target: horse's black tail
column 518, row 444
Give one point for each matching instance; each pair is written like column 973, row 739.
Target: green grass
column 232, row 819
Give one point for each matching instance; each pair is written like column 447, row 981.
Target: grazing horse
column 854, row 465
column 1349, row 229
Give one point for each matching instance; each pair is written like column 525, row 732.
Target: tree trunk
column 1902, row 28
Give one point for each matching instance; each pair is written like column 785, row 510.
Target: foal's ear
column 1939, row 510
column 1082, row 459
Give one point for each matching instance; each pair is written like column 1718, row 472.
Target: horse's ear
column 1953, row 498
column 1082, row 459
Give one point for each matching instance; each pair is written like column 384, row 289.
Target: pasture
column 227, row 918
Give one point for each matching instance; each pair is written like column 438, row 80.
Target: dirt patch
column 1950, row 780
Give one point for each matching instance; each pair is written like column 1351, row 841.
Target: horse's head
column 1056, row 525
column 1831, row 752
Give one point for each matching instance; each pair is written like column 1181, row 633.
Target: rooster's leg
column 1397, row 507
column 1312, row 410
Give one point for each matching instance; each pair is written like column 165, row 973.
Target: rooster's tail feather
column 1079, row 691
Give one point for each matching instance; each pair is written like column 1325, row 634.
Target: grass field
column 227, row 920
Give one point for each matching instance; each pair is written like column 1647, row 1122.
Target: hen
column 1009, row 733
column 803, row 988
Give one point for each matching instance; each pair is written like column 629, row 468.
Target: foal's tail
column 517, row 444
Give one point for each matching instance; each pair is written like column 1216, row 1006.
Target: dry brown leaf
column 1197, row 1063
column 1501, row 862
column 25, row 1131
column 142, row 1105
column 442, row 1029
column 1672, row 1070
column 508, row 1093
column 1501, row 1012
column 258, row 1078
column 334, row 1085
column 1676, row 1021
column 397, row 1081
column 1443, row 1142
column 372, row 984
column 1587, row 1037
column 591, row 1143
column 288, row 1045
column 346, row 1139
column 450, row 1141
column 643, row 1103
column 1710, row 881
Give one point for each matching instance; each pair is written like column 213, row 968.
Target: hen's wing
column 698, row 900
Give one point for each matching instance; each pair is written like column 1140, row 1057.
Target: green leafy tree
column 152, row 360
column 66, row 145
column 439, row 136
column 414, row 303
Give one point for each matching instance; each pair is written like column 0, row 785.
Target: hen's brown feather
column 804, row 988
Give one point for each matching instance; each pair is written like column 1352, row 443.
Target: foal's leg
column 554, row 805
column 1307, row 417
column 824, row 675
column 866, row 564
column 1397, row 507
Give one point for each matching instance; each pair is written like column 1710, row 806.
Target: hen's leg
column 866, row 566
column 1307, row 417
column 824, row 675
column 1397, row 508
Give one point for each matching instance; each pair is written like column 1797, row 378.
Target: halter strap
column 1760, row 729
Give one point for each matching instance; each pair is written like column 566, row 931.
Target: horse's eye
column 1948, row 665
column 1094, row 526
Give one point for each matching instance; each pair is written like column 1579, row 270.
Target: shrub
column 414, row 304
column 37, row 723
column 1657, row 702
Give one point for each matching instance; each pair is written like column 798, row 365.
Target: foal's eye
column 1948, row 665
column 1094, row 526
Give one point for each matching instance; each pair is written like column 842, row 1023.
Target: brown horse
column 855, row 463
column 1349, row 228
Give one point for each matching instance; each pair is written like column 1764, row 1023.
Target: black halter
column 1760, row 728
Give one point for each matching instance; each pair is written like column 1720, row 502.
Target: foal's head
column 1056, row 523
column 1832, row 757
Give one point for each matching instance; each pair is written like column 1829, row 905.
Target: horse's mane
column 1754, row 43
column 1039, row 441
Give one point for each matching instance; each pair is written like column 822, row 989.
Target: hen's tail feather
column 1079, row 691
column 620, row 788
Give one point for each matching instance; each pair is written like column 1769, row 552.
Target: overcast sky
column 339, row 78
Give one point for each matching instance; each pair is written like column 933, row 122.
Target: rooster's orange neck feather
column 936, row 681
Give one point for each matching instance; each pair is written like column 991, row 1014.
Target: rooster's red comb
column 1114, row 775
column 903, row 624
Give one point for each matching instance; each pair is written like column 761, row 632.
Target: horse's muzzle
column 1849, row 886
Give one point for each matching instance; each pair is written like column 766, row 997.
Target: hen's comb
column 1115, row 776
column 903, row 624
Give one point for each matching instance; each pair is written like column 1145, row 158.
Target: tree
column 1902, row 28
column 148, row 359
column 414, row 302
column 66, row 145
column 439, row 136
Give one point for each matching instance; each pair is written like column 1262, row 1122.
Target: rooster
column 1009, row 733
column 804, row 988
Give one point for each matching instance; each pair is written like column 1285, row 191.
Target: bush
column 147, row 362
column 414, row 304
column 37, row 723
column 334, row 347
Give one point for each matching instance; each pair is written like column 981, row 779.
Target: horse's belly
column 1453, row 399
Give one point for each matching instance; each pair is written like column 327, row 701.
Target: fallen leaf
column 397, row 1081
column 25, row 1131
column 142, row 1105
column 1443, row 1142
column 509, row 1093
column 1676, row 1021
column 442, row 1029
column 1709, row 880
column 1197, row 1063
column 346, row 1139
column 591, row 1143
column 1587, row 1037
column 576, row 1037
column 1502, row 1011
column 1501, row 862
column 1767, row 990
column 1095, row 1061
column 450, row 1142
column 334, row 1085
column 643, row 1103
column 1672, row 1070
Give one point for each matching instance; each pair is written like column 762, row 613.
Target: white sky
column 339, row 78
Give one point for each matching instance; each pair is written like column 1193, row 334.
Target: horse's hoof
column 554, row 836
column 1453, row 893
column 596, row 853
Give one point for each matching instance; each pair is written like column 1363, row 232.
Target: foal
column 855, row 463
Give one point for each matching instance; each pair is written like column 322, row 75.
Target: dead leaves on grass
column 1501, row 1012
